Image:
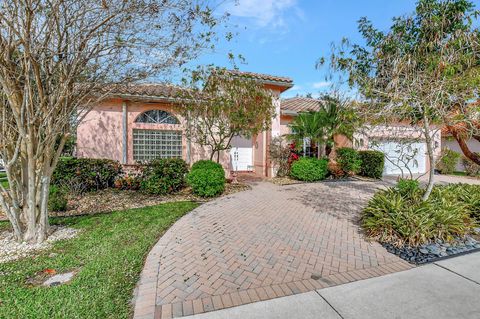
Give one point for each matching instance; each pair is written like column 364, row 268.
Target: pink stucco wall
column 99, row 135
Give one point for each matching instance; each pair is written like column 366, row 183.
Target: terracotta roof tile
column 288, row 82
column 300, row 104
column 169, row 91
column 158, row 90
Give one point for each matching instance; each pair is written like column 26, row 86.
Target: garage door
column 400, row 156
column 241, row 154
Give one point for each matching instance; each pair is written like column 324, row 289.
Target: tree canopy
column 410, row 73
column 56, row 58
column 220, row 104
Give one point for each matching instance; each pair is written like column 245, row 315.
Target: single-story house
column 141, row 122
column 403, row 144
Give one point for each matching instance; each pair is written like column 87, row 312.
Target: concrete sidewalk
column 446, row 289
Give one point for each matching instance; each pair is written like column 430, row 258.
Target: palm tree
column 308, row 127
column 339, row 119
column 334, row 117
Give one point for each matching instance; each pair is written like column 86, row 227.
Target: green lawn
column 109, row 255
column 459, row 173
column 3, row 180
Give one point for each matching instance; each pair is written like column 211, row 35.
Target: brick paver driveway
column 264, row 243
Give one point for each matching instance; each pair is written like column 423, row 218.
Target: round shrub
column 349, row 160
column 373, row 163
column 407, row 187
column 164, row 176
column 448, row 161
column 79, row 175
column 206, row 164
column 207, row 182
column 57, row 200
column 309, row 169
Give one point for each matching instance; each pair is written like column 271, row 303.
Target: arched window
column 157, row 117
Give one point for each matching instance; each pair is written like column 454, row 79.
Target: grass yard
column 456, row 173
column 108, row 254
column 3, row 180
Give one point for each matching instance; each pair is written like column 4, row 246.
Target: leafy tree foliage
column 221, row 104
column 410, row 73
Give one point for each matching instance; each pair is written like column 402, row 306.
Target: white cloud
column 322, row 84
column 296, row 88
column 265, row 12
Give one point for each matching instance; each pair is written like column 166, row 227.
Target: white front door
column 241, row 154
column 406, row 157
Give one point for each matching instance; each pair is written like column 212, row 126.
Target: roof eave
column 149, row 98
column 289, row 112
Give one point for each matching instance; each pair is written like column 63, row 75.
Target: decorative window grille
column 157, row 117
column 153, row 144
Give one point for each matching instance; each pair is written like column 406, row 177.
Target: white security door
column 241, row 154
column 409, row 156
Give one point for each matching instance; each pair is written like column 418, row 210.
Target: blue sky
column 286, row 37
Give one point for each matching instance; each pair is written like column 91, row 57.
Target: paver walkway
column 443, row 290
column 269, row 242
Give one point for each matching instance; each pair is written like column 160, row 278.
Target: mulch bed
column 112, row 199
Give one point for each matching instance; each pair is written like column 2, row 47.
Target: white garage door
column 241, row 154
column 400, row 156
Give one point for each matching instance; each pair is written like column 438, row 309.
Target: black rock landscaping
column 434, row 251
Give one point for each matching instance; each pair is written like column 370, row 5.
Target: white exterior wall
column 364, row 138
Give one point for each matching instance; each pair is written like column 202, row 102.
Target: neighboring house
column 140, row 122
column 402, row 144
column 449, row 142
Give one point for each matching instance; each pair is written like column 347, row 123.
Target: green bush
column 448, row 161
column 309, row 169
column 349, row 160
column 164, row 176
column 206, row 164
column 471, row 168
column 468, row 195
column 406, row 187
column 79, row 175
column 57, row 200
column 373, row 163
column 208, row 181
column 128, row 182
column 406, row 219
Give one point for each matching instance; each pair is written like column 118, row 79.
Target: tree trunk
column 474, row 157
column 30, row 220
column 431, row 157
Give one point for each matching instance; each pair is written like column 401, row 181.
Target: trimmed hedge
column 164, row 176
column 373, row 163
column 207, row 179
column 349, row 160
column 206, row 164
column 79, row 175
column 57, row 200
column 309, row 169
